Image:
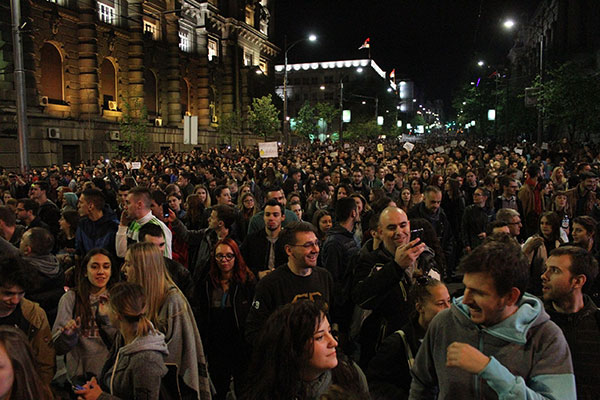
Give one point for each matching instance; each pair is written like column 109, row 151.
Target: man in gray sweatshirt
column 495, row 342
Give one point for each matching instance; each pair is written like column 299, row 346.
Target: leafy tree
column 263, row 116
column 134, row 129
column 229, row 123
column 364, row 130
column 306, row 123
column 569, row 97
column 328, row 113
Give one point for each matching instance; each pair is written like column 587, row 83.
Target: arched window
column 51, row 84
column 108, row 84
column 150, row 93
column 184, row 96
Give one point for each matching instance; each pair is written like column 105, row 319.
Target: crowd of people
column 334, row 271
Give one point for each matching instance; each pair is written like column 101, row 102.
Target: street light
column 509, row 24
column 481, row 63
column 310, row 38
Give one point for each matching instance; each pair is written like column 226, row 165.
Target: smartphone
column 416, row 233
column 77, row 387
column 166, row 209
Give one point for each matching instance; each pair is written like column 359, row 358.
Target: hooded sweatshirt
column 50, row 283
column 101, row 233
column 136, row 369
column 529, row 357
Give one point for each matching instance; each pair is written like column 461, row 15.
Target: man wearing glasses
column 508, row 198
column 300, row 278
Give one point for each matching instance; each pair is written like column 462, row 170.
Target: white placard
column 333, row 154
column 519, row 151
column 409, row 146
column 544, row 146
column 136, row 165
column 453, row 143
column 268, row 149
column 346, row 145
column 481, row 147
column 329, row 148
column 190, row 129
column 462, row 143
column 439, row 149
column 361, row 149
column 430, row 150
column 128, row 165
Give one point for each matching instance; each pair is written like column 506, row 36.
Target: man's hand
column 125, row 219
column 466, row 357
column 408, row 254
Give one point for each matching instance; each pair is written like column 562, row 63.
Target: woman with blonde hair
column 171, row 314
column 558, row 179
column 136, row 365
column 203, row 192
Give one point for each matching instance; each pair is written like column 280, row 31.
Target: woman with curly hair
column 416, row 188
column 224, row 299
column 295, row 357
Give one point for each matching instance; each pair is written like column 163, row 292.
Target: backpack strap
column 409, row 354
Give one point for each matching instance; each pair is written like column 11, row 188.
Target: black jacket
column 474, row 221
column 255, row 251
column 440, row 225
column 337, row 253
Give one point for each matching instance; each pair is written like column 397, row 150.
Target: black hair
column 344, row 208
column 582, row 263
column 14, row 271
column 95, row 196
column 225, row 213
column 153, row 230
column 274, row 203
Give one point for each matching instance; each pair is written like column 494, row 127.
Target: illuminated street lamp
column 310, row 38
column 481, row 63
column 509, row 24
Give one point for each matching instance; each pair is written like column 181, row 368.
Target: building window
column 248, row 59
column 108, row 85
column 184, row 96
column 263, row 67
column 51, row 84
column 106, row 13
column 151, row 29
column 213, row 49
column 250, row 15
column 185, row 43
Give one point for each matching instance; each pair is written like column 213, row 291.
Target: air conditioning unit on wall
column 53, row 133
column 115, row 135
column 44, row 101
column 112, row 105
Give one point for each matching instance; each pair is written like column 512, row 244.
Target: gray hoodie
column 137, row 369
column 529, row 357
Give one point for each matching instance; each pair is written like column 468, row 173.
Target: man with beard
column 569, row 270
column 299, row 279
column 495, row 342
column 262, row 250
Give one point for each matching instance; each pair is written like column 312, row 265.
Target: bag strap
column 409, row 354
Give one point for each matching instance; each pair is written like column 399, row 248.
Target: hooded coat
column 135, row 370
column 529, row 357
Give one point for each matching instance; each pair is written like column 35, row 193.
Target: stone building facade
column 88, row 61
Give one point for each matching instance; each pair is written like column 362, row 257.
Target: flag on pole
column 365, row 45
column 393, row 75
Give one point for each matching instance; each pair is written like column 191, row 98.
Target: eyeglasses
column 226, row 257
column 308, row 245
column 514, row 223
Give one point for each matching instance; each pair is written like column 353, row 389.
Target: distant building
column 361, row 85
column 86, row 59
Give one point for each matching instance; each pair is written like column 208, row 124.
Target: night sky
column 436, row 43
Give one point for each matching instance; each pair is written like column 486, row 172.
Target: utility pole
column 19, row 76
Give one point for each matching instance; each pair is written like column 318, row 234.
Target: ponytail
column 129, row 301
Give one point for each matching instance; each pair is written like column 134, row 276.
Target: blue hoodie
column 102, row 233
column 529, row 357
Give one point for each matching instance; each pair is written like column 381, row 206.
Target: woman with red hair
column 225, row 297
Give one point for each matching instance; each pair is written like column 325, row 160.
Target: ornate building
column 88, row 61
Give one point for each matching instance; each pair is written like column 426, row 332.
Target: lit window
column 263, row 67
column 106, row 13
column 250, row 15
column 213, row 49
column 151, row 29
column 185, row 44
column 248, row 59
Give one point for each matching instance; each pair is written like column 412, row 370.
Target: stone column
column 174, row 73
column 88, row 58
column 202, row 82
column 136, row 58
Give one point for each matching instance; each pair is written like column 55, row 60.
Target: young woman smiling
column 76, row 331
